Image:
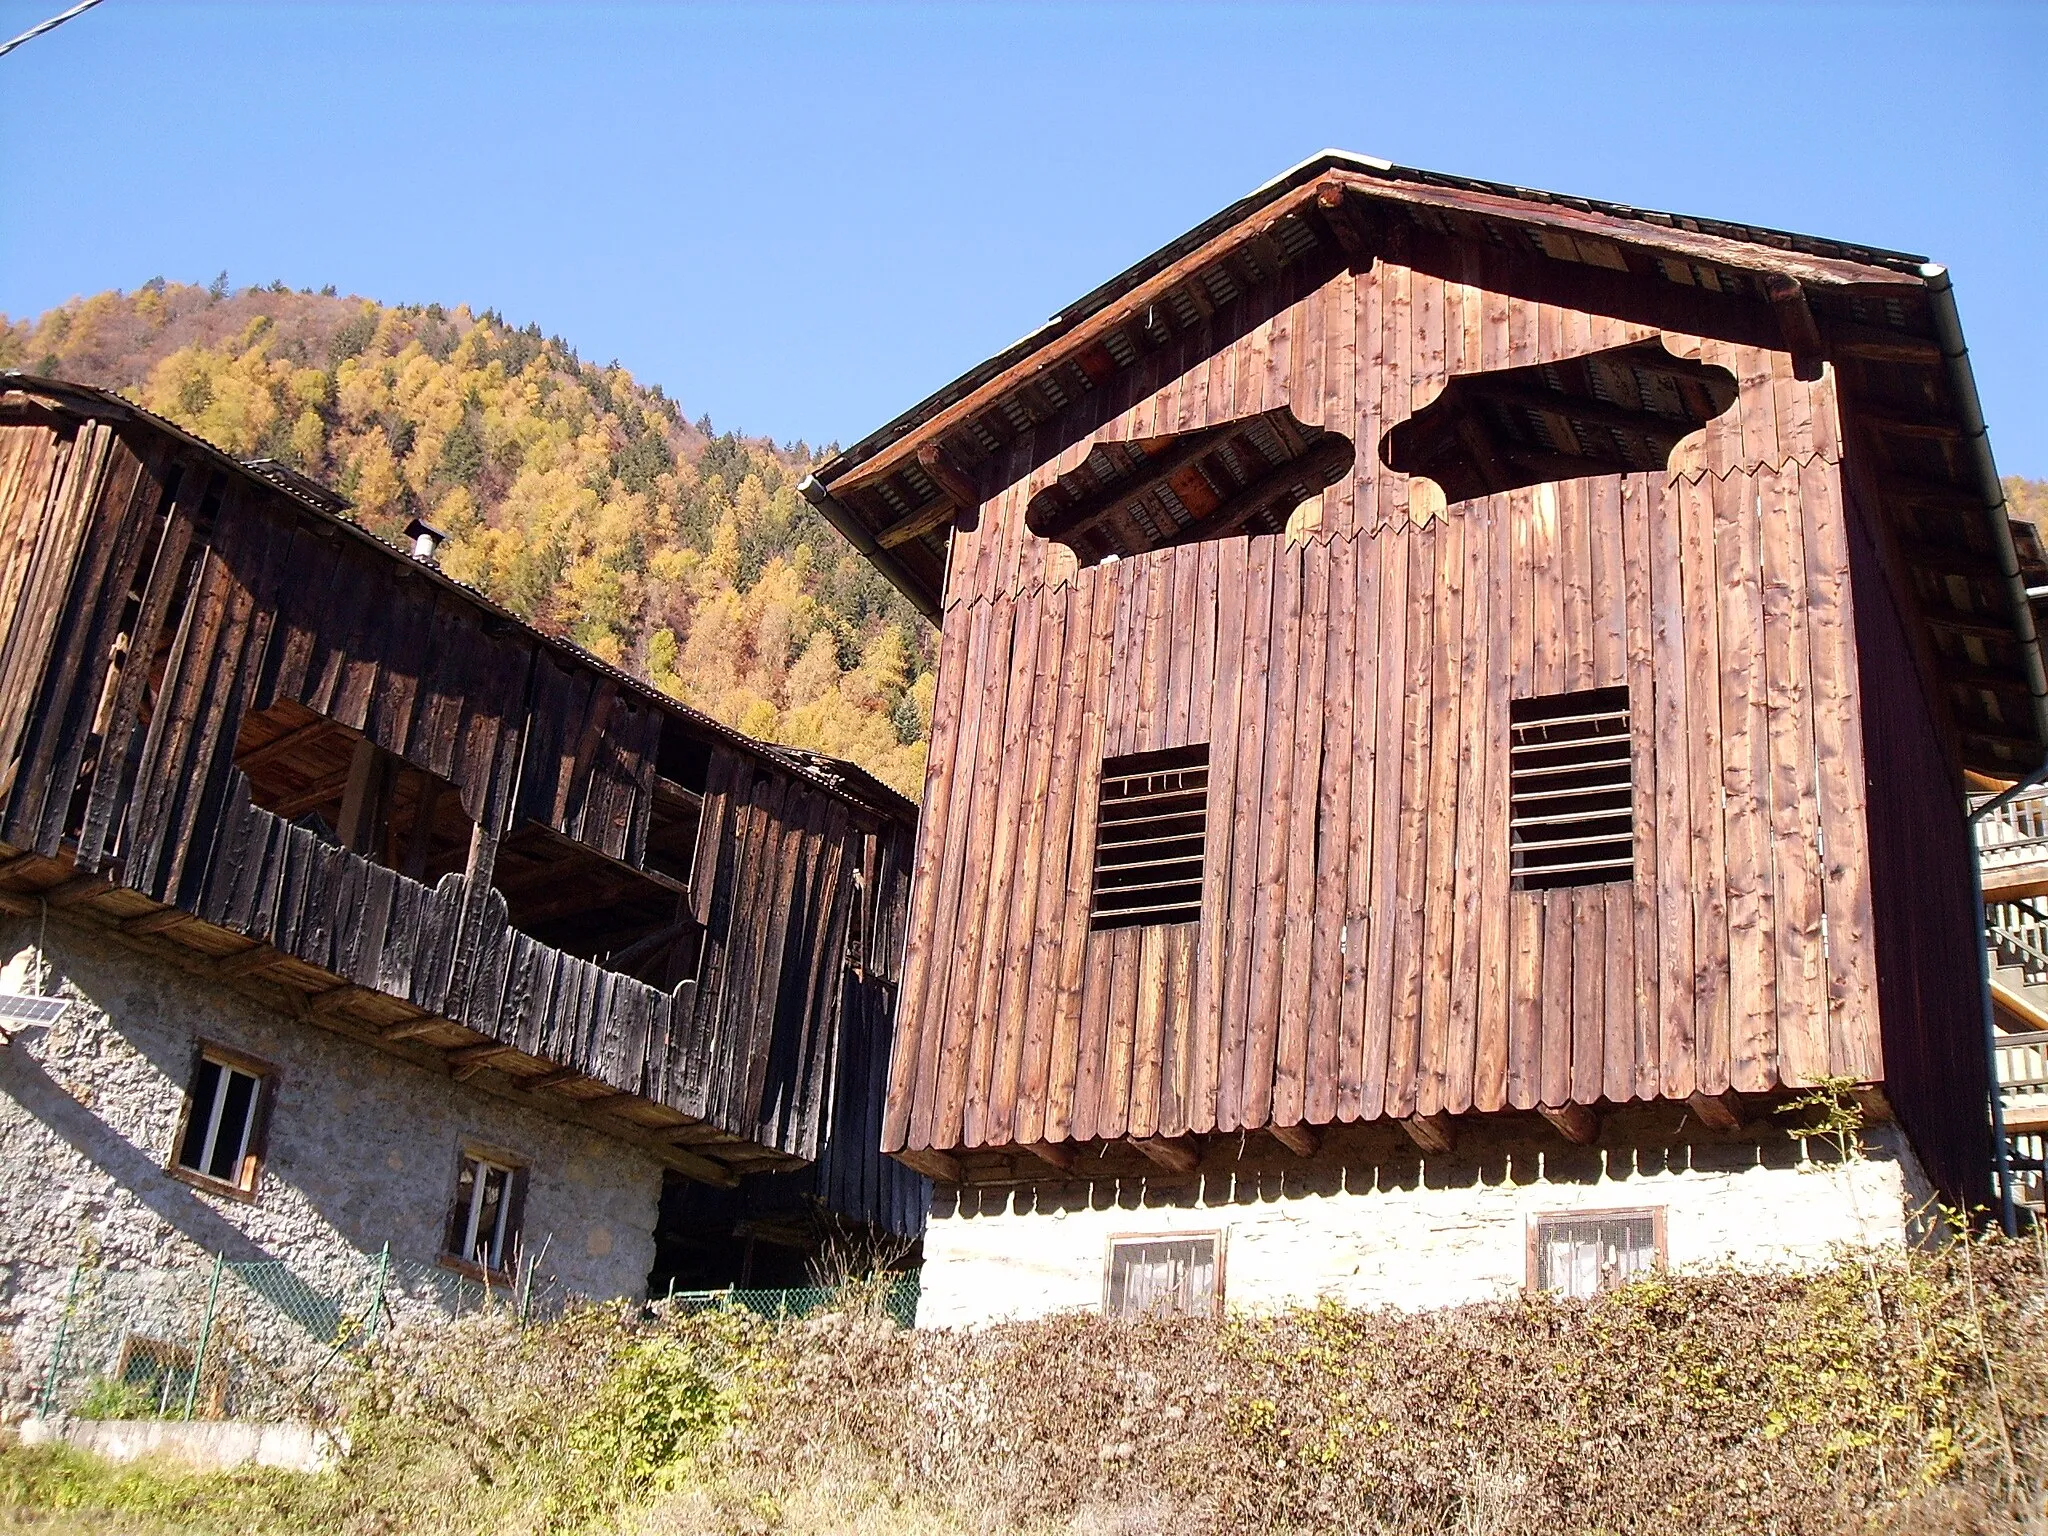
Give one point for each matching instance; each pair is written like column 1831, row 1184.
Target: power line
column 47, row 26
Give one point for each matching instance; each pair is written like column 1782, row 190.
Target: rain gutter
column 836, row 512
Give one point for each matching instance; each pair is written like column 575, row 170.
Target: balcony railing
column 2017, row 932
column 2014, row 835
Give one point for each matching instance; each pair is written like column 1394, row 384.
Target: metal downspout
column 848, row 527
column 1948, row 332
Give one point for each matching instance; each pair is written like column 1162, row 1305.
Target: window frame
column 1216, row 1235
column 511, row 1212
column 255, row 1149
column 1534, row 1239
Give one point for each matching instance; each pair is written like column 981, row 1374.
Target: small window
column 1165, row 1276
column 225, row 1108
column 1571, row 782
column 1150, row 831
column 484, row 1220
column 1584, row 1255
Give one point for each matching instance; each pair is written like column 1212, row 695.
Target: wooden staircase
column 2012, row 850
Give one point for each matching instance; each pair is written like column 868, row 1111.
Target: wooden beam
column 17, row 906
column 1969, row 624
column 1795, row 324
column 1247, row 503
column 1919, row 491
column 1301, row 1140
column 1060, row 1154
column 1341, row 214
column 1905, row 426
column 939, row 1167
column 1180, row 1154
column 552, row 1079
column 1432, row 1133
column 410, row 1029
column 14, row 863
column 270, row 751
column 919, row 523
column 1194, row 447
column 1719, row 1111
column 476, row 1055
column 948, row 476
column 76, row 891
column 1593, row 412
column 1877, row 344
column 259, row 957
column 1575, row 1123
column 157, row 921
column 602, row 1103
column 1949, row 560
column 334, row 998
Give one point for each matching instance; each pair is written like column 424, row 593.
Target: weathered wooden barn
column 1446, row 682
column 244, row 741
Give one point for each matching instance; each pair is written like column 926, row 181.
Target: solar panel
column 31, row 1010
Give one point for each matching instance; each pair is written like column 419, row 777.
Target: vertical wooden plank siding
column 1360, row 952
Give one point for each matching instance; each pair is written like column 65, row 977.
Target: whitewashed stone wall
column 1418, row 1232
column 363, row 1149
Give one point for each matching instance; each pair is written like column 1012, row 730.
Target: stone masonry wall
column 1419, row 1231
column 363, row 1149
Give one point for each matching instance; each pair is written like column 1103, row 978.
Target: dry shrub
column 1855, row 1398
column 1890, row 1394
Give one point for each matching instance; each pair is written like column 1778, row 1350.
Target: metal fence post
column 205, row 1334
column 377, row 1292
column 49, row 1397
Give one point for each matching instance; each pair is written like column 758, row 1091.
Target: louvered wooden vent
column 1572, row 819
column 1149, row 838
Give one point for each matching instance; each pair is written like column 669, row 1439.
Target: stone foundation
column 1370, row 1225
column 363, row 1150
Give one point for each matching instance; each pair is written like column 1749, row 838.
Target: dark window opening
column 1571, row 815
column 1243, row 477
column 331, row 779
column 1616, row 412
column 770, row 1232
column 568, row 895
column 1600, row 1251
column 222, row 1135
column 1164, row 1277
column 1151, row 829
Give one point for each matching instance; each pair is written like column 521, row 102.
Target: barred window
column 1150, row 835
column 1165, row 1276
column 1571, row 789
column 1583, row 1255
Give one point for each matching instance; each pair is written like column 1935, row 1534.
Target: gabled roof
column 1885, row 319
column 320, row 503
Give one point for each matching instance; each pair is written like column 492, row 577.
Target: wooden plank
column 1363, row 680
column 1560, row 952
column 1745, row 778
column 1525, row 1000
column 1297, row 935
column 1590, row 957
column 1412, row 829
column 1794, row 811
column 1071, row 1038
column 1249, row 819
column 1441, row 874
column 1645, row 713
column 1855, row 1046
column 1674, row 799
column 1276, row 840
column 1213, row 953
column 993, row 890
column 1476, row 817
column 1398, row 619
column 1329, row 925
column 1709, row 848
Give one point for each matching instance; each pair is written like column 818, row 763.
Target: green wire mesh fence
column 893, row 1295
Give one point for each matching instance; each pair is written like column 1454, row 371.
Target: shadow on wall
column 1504, row 1161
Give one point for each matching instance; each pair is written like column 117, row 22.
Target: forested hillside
column 573, row 495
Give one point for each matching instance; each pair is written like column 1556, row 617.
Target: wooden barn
column 245, row 742
column 1454, row 707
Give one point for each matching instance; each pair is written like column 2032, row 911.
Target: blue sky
column 801, row 219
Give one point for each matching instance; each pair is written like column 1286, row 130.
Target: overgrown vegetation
column 572, row 494
column 1887, row 1394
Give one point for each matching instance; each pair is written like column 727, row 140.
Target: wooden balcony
column 2012, row 844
